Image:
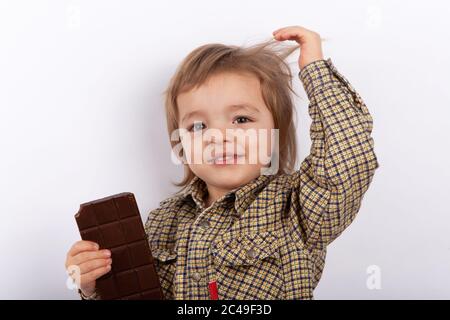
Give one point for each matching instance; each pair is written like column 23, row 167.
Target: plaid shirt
column 268, row 238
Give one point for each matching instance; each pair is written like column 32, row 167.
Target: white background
column 81, row 117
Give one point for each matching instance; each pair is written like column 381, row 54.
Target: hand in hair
column 309, row 41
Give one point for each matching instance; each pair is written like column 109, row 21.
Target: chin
column 230, row 177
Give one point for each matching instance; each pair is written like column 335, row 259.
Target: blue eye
column 197, row 126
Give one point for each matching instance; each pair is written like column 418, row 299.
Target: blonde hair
column 266, row 61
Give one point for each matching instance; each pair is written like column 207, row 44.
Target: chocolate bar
column 114, row 223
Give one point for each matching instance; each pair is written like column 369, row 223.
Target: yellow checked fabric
column 268, row 238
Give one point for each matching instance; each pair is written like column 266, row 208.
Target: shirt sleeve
column 327, row 190
column 94, row 296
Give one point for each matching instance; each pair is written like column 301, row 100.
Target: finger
column 82, row 245
column 94, row 275
column 278, row 30
column 281, row 31
column 89, row 255
column 299, row 36
column 290, row 28
column 288, row 35
column 285, row 28
column 91, row 265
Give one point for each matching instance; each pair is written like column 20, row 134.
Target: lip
column 225, row 159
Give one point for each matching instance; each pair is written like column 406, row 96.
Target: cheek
column 271, row 138
column 257, row 144
column 267, row 135
column 266, row 139
column 194, row 149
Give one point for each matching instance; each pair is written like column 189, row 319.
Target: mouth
column 225, row 159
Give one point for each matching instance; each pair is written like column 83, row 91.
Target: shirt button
column 205, row 224
column 251, row 253
column 196, row 276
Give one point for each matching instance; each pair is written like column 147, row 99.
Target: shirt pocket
column 164, row 255
column 248, row 266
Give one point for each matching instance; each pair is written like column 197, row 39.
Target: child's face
column 209, row 113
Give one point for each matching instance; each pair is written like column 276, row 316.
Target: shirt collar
column 243, row 196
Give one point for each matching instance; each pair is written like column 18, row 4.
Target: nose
column 218, row 133
column 221, row 140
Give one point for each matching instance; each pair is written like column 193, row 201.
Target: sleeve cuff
column 321, row 73
column 93, row 296
column 317, row 74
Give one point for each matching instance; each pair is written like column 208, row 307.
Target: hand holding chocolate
column 114, row 223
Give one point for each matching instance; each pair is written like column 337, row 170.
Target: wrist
column 309, row 54
column 308, row 60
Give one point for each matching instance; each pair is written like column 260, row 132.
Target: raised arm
column 328, row 188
